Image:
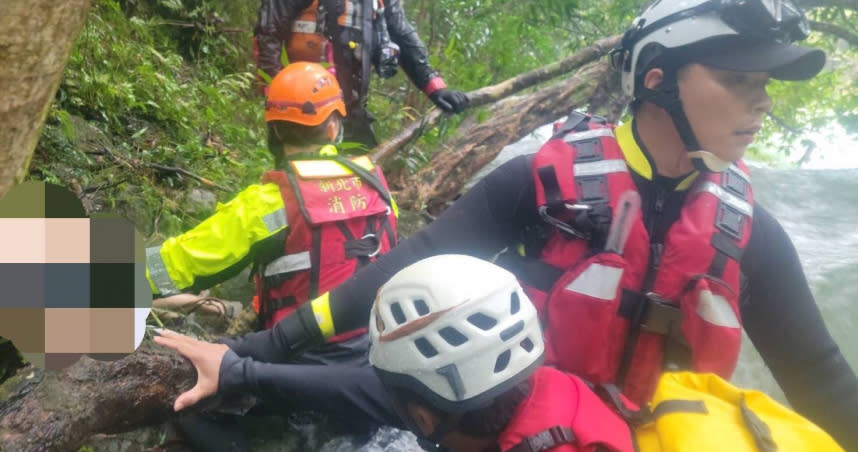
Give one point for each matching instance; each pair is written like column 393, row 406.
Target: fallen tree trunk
column 478, row 143
column 489, row 94
column 59, row 411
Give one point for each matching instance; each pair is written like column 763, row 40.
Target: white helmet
column 457, row 330
column 736, row 35
column 677, row 24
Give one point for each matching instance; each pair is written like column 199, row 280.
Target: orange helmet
column 303, row 93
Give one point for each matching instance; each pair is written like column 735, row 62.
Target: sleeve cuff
column 435, row 83
column 232, row 372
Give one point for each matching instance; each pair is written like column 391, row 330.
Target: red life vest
column 627, row 316
column 562, row 414
column 310, row 38
column 340, row 218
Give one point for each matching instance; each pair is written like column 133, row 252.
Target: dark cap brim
column 782, row 61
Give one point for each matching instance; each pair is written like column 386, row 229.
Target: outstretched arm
column 784, row 323
column 221, row 246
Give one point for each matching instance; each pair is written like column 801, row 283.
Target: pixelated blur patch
column 69, row 285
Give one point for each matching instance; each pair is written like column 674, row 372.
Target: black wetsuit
column 778, row 309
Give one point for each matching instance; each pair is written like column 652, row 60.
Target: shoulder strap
column 546, row 440
column 575, row 121
column 367, row 176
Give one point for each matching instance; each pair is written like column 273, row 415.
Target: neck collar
column 641, row 162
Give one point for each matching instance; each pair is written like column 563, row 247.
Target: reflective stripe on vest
column 587, row 134
column 728, row 198
column 304, row 26
column 716, row 310
column 597, row 281
column 287, row 264
column 352, row 17
column 600, row 168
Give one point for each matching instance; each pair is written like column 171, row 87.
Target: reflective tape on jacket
column 158, row 272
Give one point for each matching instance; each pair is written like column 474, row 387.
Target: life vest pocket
column 711, row 325
column 588, row 296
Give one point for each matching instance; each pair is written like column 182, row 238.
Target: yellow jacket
column 219, row 247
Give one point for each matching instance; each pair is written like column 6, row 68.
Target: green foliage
column 171, row 82
column 165, row 84
column 475, row 43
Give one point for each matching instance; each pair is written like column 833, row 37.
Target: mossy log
column 60, row 410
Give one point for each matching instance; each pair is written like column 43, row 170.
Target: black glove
column 449, row 100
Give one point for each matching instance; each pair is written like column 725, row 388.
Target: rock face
column 35, row 44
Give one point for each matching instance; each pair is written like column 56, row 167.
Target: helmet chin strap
column 666, row 96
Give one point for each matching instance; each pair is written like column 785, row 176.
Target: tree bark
column 476, row 144
column 59, row 411
column 489, row 94
column 35, row 44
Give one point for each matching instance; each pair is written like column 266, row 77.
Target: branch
column 175, row 169
column 490, row 94
column 835, row 30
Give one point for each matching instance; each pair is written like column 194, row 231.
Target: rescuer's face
column 725, row 108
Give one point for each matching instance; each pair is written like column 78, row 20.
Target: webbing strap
column 370, row 178
column 672, row 406
column 550, row 185
column 759, row 430
column 546, row 440
column 573, row 122
column 388, row 229
column 532, row 272
column 315, row 260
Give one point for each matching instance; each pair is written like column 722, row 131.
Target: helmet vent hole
column 452, row 336
column 421, row 307
column 308, row 108
column 514, row 303
column 510, row 332
column 502, row 361
column 482, row 321
column 527, row 345
column 398, row 315
column 425, row 348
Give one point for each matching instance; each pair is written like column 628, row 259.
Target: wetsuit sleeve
column 784, row 323
column 273, row 25
column 413, row 55
column 219, row 247
column 481, row 223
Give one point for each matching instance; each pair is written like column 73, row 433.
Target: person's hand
column 449, row 100
column 206, row 358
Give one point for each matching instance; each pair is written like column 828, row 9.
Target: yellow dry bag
column 702, row 412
